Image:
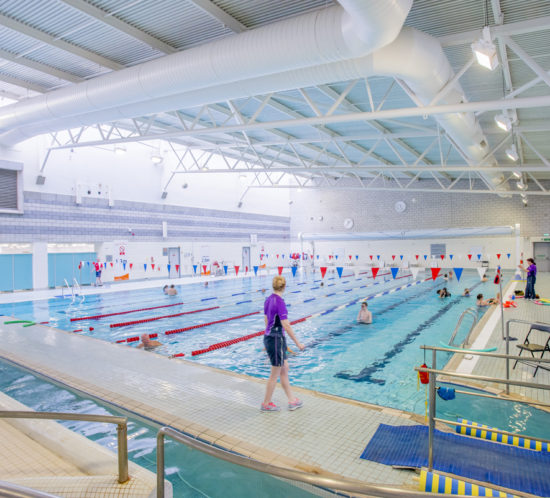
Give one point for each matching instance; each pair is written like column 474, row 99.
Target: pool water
column 192, row 474
column 373, row 363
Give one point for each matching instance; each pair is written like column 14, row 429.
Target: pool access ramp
column 216, row 406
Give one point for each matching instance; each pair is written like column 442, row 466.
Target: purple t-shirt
column 274, row 305
column 532, row 270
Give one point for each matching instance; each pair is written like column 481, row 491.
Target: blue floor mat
column 507, row 466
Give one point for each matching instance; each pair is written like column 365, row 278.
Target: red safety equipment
column 424, row 376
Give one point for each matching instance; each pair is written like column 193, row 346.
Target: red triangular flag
column 470, row 257
column 131, row 264
column 393, row 256
column 371, row 257
column 443, row 256
column 498, row 256
column 374, row 272
column 153, row 265
column 111, row 265
column 435, row 272
column 417, row 256
column 350, row 256
column 280, row 269
column 277, row 256
column 246, row 269
column 177, row 267
column 323, row 271
column 204, row 268
column 236, row 270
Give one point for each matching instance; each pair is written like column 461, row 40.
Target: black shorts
column 275, row 345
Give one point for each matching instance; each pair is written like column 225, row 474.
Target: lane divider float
column 97, row 317
column 146, row 320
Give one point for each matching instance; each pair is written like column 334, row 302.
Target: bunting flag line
column 394, row 272
column 323, row 271
column 339, row 270
column 458, row 273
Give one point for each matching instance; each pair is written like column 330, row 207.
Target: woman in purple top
column 276, row 320
column 531, row 278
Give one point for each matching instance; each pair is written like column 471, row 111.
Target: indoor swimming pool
column 373, row 363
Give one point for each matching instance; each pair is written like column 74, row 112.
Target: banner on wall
column 120, row 249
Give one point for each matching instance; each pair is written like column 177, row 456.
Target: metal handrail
column 285, row 473
column 11, row 490
column 76, row 286
column 68, row 287
column 433, row 372
column 467, row 311
column 122, row 430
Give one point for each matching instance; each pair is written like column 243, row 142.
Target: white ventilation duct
column 254, row 63
column 320, row 37
column 429, row 233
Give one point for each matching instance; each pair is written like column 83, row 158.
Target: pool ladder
column 75, row 290
column 473, row 312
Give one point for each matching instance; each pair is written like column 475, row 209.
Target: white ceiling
column 312, row 137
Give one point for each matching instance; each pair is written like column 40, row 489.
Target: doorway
column 246, row 258
column 174, row 262
column 542, row 255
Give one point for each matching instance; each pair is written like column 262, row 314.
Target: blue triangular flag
column 451, row 256
column 378, row 256
column 394, row 272
column 225, row 269
column 255, row 270
column 168, row 266
column 317, row 256
column 124, row 265
column 195, row 268
column 145, row 266
column 479, row 256
column 357, row 256
column 458, row 273
column 339, row 269
column 267, row 255
column 508, row 255
column 283, row 256
column 294, row 268
column 401, row 256
column 336, row 256
column 425, row 257
column 88, row 263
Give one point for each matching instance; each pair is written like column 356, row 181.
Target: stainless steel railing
column 433, row 372
column 284, row 473
column 10, row 490
column 121, row 422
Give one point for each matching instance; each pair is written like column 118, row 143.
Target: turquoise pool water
column 192, row 474
column 373, row 363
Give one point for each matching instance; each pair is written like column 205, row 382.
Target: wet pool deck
column 326, row 436
column 489, row 334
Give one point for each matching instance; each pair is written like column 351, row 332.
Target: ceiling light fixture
column 524, row 201
column 516, row 174
column 523, row 195
column 120, row 150
column 485, row 51
column 521, row 185
column 512, row 153
column 156, row 158
column 503, row 121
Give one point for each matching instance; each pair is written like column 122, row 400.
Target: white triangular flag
column 414, row 271
column 481, row 271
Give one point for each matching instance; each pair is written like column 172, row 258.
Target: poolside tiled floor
column 326, row 436
column 528, row 311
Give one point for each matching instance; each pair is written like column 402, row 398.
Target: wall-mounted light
column 120, row 150
column 503, row 121
column 512, row 153
column 485, row 51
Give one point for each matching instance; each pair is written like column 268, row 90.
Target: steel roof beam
column 111, row 20
column 220, row 15
column 22, row 83
column 57, row 42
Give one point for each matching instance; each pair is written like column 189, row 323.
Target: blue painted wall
column 15, row 272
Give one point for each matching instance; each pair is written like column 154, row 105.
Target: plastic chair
column 534, row 348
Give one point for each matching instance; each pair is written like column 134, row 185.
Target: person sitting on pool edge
column 148, row 344
column 364, row 316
